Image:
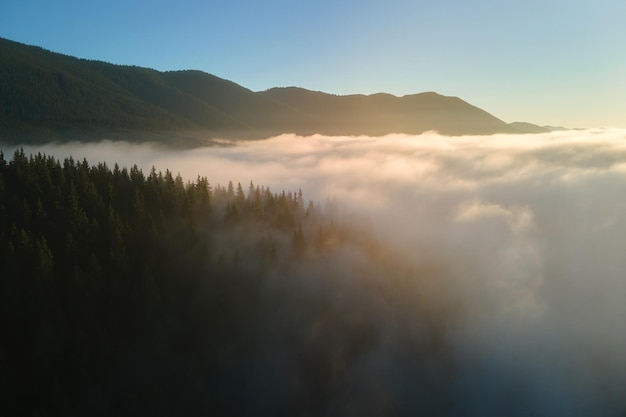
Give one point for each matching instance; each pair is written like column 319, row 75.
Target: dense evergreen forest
column 123, row 293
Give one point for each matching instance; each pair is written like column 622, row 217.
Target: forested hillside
column 123, row 293
column 48, row 96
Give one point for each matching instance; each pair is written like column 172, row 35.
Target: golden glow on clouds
column 523, row 233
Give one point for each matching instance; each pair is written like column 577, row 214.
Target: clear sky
column 557, row 62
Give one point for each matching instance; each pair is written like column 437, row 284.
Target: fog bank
column 527, row 233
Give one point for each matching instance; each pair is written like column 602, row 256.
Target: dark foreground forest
column 123, row 293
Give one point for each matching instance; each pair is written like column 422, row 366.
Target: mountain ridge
column 46, row 96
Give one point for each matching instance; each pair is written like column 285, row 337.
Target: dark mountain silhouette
column 46, row 95
column 379, row 114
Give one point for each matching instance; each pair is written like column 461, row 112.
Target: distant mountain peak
column 524, row 127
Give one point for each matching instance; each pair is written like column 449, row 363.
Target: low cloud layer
column 530, row 231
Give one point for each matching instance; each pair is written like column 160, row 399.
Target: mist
column 516, row 239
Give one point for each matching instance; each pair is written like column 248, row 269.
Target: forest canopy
column 124, row 293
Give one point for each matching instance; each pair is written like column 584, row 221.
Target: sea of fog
column 529, row 229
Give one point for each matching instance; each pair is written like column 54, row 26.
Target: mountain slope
column 524, row 127
column 46, row 95
column 379, row 114
column 45, row 88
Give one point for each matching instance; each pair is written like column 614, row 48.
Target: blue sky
column 547, row 62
